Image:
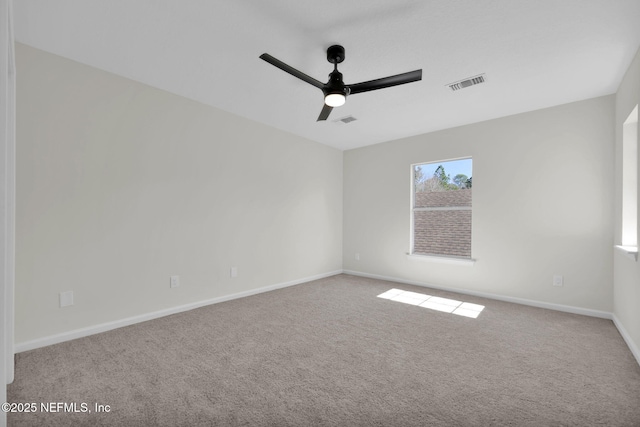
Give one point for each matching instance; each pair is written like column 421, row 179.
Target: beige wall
column 626, row 271
column 542, row 205
column 120, row 185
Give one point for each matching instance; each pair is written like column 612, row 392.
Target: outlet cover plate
column 174, row 282
column 66, row 299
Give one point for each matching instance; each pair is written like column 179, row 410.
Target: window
column 441, row 209
column 629, row 238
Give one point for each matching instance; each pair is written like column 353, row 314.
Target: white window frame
column 629, row 209
column 444, row 259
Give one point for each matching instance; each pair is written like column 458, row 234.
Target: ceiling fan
column 335, row 90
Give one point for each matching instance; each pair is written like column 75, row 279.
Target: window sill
column 629, row 251
column 442, row 259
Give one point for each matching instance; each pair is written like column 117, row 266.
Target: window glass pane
column 436, row 199
column 630, row 180
column 443, row 232
column 442, row 208
column 443, row 176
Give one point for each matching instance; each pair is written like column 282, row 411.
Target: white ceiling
column 535, row 54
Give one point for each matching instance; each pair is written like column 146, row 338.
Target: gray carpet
column 330, row 353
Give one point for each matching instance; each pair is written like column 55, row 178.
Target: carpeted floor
column 330, row 353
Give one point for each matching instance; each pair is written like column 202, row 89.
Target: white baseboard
column 104, row 327
column 523, row 301
column 627, row 338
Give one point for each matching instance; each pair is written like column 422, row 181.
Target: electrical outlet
column 357, row 256
column 66, row 299
column 174, row 282
column 558, row 280
column 234, row 272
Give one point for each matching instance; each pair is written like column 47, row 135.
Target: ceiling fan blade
column 324, row 114
column 289, row 69
column 399, row 79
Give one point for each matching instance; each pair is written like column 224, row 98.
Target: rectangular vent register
column 471, row 81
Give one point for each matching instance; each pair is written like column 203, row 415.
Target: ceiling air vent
column 347, row 119
column 467, row 82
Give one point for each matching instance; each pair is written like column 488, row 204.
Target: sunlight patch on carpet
column 444, row 305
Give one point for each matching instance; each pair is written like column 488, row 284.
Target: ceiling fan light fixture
column 335, row 99
column 335, row 91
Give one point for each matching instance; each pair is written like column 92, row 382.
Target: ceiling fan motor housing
column 335, row 84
